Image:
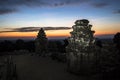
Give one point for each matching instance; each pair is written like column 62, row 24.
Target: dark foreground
column 42, row 68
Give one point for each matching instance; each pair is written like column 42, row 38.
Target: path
column 38, row 68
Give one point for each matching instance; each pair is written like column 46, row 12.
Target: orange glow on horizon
column 58, row 33
column 104, row 33
column 50, row 33
column 18, row 34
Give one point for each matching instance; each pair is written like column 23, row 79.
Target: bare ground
column 39, row 68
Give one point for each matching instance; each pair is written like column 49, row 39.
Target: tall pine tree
column 41, row 42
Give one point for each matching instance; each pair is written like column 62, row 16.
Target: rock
column 81, row 47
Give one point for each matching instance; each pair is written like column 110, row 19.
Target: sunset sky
column 23, row 18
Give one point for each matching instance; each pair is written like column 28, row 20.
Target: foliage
column 10, row 46
column 41, row 42
column 81, row 46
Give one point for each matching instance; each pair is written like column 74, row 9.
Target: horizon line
column 57, row 37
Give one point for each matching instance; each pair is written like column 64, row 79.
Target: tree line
column 10, row 46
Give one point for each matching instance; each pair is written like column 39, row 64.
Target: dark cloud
column 117, row 11
column 39, row 2
column 7, row 10
column 33, row 29
column 6, row 31
column 56, row 28
column 26, row 29
column 8, row 5
column 100, row 5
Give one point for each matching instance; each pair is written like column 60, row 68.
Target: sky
column 24, row 18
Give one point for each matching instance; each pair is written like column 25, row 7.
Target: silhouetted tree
column 41, row 42
column 30, row 46
column 99, row 43
column 116, row 40
column 20, row 44
column 59, row 46
column 6, row 46
column 52, row 46
column 65, row 44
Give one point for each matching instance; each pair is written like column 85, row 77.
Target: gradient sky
column 104, row 15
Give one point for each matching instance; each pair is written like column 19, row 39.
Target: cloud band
column 33, row 29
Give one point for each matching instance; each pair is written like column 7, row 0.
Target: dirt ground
column 42, row 68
